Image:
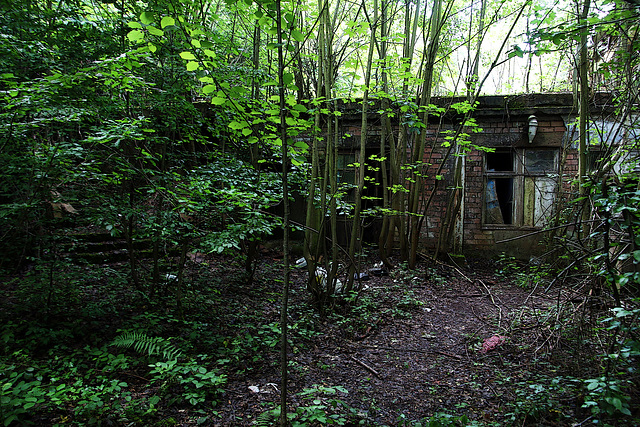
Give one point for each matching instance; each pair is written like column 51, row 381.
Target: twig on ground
column 461, row 273
column 478, row 317
column 524, row 304
column 367, row 367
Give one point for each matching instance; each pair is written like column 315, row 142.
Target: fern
column 143, row 343
column 267, row 419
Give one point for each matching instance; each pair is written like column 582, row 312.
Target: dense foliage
column 136, row 136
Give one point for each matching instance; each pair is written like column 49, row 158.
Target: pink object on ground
column 491, row 343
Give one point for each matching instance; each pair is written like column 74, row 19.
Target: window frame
column 519, row 175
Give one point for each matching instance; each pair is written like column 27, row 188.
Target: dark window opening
column 499, row 201
column 500, row 161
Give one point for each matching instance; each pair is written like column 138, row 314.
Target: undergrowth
column 138, row 361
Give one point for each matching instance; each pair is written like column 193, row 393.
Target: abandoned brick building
column 507, row 193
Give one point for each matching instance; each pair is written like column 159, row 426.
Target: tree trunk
column 435, row 25
column 286, row 246
column 355, row 240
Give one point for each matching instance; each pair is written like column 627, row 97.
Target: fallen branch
column 367, row 367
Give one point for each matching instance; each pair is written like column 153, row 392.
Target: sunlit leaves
column 147, row 18
column 209, row 89
column 167, row 21
column 297, row 35
column 237, row 125
column 291, row 121
column 135, row 35
column 154, row 31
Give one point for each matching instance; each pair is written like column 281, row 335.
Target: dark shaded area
column 408, row 347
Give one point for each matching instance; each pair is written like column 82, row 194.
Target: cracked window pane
column 540, row 161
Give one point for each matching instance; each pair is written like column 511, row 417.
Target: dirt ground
column 423, row 355
column 441, row 341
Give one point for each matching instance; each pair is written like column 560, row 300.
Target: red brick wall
column 495, row 133
column 504, row 123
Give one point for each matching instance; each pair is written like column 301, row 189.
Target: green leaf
column 209, row 89
column 297, row 35
column 593, row 384
column 218, row 100
column 146, row 17
column 616, row 402
column 247, row 131
column 187, row 55
column 154, row 31
column 288, row 79
column 558, row 39
column 152, row 47
column 134, row 25
column 238, row 125
column 167, row 21
column 135, row 35
column 192, row 66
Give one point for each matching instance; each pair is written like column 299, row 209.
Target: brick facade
column 525, row 193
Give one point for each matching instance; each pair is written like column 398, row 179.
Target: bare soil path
column 417, row 351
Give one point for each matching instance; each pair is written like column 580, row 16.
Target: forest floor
column 444, row 343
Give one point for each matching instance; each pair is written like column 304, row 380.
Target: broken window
column 500, row 171
column 520, row 186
